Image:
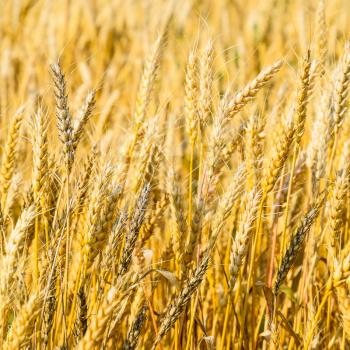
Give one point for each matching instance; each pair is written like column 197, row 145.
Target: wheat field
column 174, row 174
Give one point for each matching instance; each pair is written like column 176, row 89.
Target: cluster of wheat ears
column 174, row 175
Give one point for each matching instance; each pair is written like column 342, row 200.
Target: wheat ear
column 64, row 117
column 294, row 247
column 8, row 161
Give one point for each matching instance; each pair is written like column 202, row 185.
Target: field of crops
column 174, row 175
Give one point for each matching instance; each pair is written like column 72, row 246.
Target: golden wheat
column 174, row 174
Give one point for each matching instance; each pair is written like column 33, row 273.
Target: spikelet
column 23, row 325
column 240, row 242
column 19, row 238
column 64, row 118
column 177, row 212
column 342, row 90
column 83, row 189
column 80, row 325
column 82, row 118
column 135, row 329
column 98, row 232
column 147, row 82
column 40, row 162
column 134, row 229
column 321, row 37
column 254, row 146
column 251, row 89
column 343, row 296
column 13, row 196
column 337, row 207
column 110, row 254
column 94, row 335
column 217, row 145
column 191, row 97
column 279, row 156
column 8, row 161
column 175, row 309
column 48, row 310
column 148, row 154
column 233, row 192
column 313, row 77
column 220, row 153
column 318, row 146
column 206, row 82
column 295, row 245
column 88, row 240
column 52, row 196
column 194, row 233
column 341, row 271
column 302, row 99
column 152, row 219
